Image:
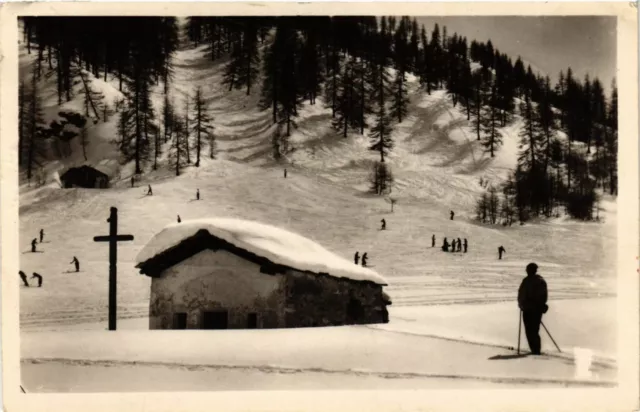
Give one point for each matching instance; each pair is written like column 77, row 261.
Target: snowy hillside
column 453, row 316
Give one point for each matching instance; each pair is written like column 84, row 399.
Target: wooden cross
column 113, row 238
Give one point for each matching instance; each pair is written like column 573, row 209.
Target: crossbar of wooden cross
column 113, row 238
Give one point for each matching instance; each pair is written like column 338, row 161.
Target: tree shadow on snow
column 507, row 357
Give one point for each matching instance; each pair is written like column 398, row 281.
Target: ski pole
column 554, row 342
column 519, row 327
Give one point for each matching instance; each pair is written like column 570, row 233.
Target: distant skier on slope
column 459, row 245
column 433, row 241
column 41, row 235
column 452, row 214
column 465, row 245
column 384, row 224
column 364, row 259
column 179, row 220
column 23, row 276
column 356, row 258
column 35, row 275
column 445, row 245
column 77, row 263
column 150, row 192
column 501, row 250
column 285, row 173
column 133, row 180
column 532, row 301
column 197, row 194
column 33, row 245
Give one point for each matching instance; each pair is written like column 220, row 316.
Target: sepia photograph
column 288, row 202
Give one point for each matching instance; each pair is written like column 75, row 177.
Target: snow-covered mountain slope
column 437, row 164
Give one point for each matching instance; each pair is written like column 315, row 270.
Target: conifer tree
column 35, row 128
column 203, row 129
column 311, row 63
column 177, row 151
column 168, row 116
column 187, row 129
column 491, row 139
column 611, row 143
column 380, row 133
column 479, row 93
column 425, row 70
column 346, row 110
column 22, row 117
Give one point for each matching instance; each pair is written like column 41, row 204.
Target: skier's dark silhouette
column 24, row 278
column 77, row 263
column 452, row 214
column 35, row 275
column 198, row 194
column 459, row 245
column 179, row 220
column 532, row 300
column 433, row 241
column 364, row 259
column 33, row 245
column 384, row 224
column 501, row 250
column 453, row 245
column 465, row 245
column 150, row 192
column 285, row 173
column 356, row 257
column 41, row 235
column 132, row 181
column 445, row 245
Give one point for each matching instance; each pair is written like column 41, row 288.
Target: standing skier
column 384, row 224
column 356, row 257
column 41, row 235
column 452, row 214
column 364, row 259
column 77, row 263
column 35, row 275
column 197, row 194
column 459, row 245
column 179, row 220
column 433, row 241
column 23, row 276
column 285, row 173
column 133, row 180
column 445, row 245
column 532, row 300
column 465, row 245
column 501, row 250
column 150, row 192
column 33, row 245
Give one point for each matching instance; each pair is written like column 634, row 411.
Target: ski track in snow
column 436, row 163
column 267, row 369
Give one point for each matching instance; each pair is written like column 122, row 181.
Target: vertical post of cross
column 113, row 238
column 113, row 260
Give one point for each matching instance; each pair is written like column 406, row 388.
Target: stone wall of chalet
column 318, row 300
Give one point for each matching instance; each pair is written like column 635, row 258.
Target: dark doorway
column 252, row 321
column 355, row 311
column 215, row 320
column 179, row 320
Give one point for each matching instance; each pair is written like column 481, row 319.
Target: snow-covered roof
column 275, row 244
